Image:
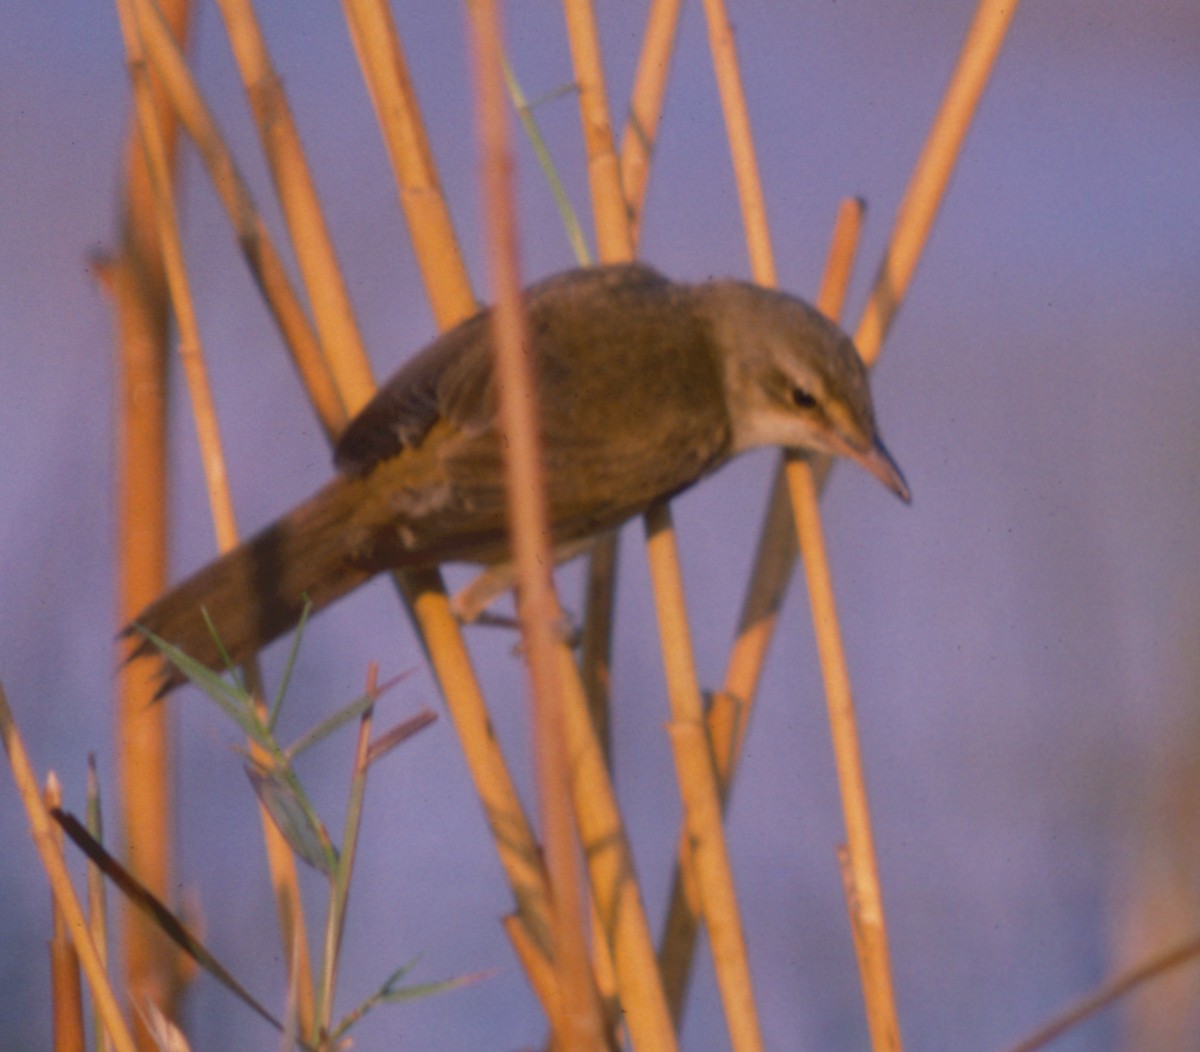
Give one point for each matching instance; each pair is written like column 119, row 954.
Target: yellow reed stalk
column 164, row 56
column 66, row 991
column 333, row 313
column 381, row 54
column 280, row 858
column 43, row 831
column 729, row 713
column 866, row 902
column 539, row 969
column 609, row 210
column 616, row 895
column 741, row 141
column 645, row 106
column 579, row 1024
column 874, row 966
column 137, row 284
column 698, row 788
column 146, row 796
column 931, row 174
column 377, row 43
column 615, row 890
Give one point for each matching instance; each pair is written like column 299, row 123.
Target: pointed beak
column 871, row 454
column 878, row 461
column 875, row 458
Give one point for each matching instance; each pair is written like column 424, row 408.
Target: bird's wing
column 451, row 379
column 448, row 380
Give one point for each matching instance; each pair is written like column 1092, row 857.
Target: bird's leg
column 470, row 604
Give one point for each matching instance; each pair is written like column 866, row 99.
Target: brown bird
column 644, row 387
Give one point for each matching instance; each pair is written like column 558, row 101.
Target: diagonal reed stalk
column 645, row 106
column 46, row 840
column 296, row 191
column 377, row 43
column 165, row 56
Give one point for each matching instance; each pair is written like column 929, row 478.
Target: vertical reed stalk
column 66, row 991
column 874, row 966
column 578, row 1023
column 397, row 108
column 145, row 798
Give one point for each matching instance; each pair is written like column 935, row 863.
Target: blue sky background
column 1021, row 640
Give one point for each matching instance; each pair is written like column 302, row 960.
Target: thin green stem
column 339, row 886
column 566, row 210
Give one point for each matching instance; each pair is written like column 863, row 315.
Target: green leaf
column 391, row 993
column 144, row 900
column 286, row 679
column 330, row 724
column 293, row 817
column 229, row 696
column 566, row 210
column 419, row 990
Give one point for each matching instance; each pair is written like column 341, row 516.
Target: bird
column 644, row 386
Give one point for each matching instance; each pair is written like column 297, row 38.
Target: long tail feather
column 257, row 591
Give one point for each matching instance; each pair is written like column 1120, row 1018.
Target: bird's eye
column 801, row 399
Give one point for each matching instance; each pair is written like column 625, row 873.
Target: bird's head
column 793, row 378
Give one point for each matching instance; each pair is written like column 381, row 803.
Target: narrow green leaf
column 230, row 697
column 294, row 818
column 566, row 211
column 286, row 679
column 145, row 900
column 230, row 667
column 392, row 993
column 330, row 724
column 419, row 990
column 398, row 734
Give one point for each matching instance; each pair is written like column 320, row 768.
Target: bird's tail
column 257, row 591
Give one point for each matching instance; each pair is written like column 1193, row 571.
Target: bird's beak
column 878, row 461
column 873, row 456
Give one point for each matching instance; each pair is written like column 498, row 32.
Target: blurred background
column 1022, row 640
